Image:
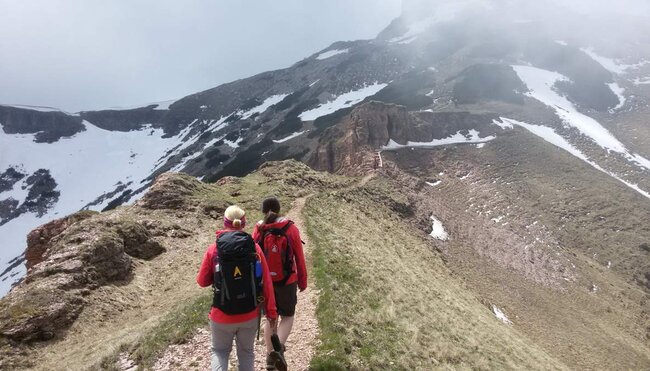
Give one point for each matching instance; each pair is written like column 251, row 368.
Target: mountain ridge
column 511, row 157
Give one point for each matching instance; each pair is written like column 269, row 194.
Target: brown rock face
column 349, row 147
column 39, row 239
column 79, row 253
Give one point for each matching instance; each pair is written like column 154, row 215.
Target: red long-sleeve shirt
column 205, row 278
column 293, row 234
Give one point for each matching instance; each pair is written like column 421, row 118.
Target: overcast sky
column 90, row 54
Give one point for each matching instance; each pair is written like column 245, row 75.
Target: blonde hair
column 236, row 215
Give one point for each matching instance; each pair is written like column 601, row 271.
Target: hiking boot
column 270, row 362
column 277, row 358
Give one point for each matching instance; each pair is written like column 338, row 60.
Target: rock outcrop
column 68, row 258
column 47, row 127
column 349, row 147
column 39, row 239
column 170, row 191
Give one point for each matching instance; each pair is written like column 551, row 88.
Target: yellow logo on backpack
column 237, row 272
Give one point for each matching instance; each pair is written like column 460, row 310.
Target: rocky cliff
column 350, row 146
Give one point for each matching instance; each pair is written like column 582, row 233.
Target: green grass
column 387, row 301
column 178, row 326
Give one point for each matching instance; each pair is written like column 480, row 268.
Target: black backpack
column 237, row 274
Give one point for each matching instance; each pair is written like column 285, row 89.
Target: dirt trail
column 195, row 354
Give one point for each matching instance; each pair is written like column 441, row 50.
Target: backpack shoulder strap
column 286, row 227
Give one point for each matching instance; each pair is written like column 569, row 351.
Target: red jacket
column 293, row 234
column 205, row 279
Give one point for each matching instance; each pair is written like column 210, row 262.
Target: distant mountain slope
column 448, row 65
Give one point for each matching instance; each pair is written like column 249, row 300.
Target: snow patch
column 642, row 81
column 552, row 137
column 197, row 153
column 498, row 219
column 540, row 83
column 503, row 124
column 561, row 42
column 434, row 184
column 481, row 145
column 458, row 138
column 500, row 315
column 331, row 53
column 234, row 144
column 268, row 102
column 619, row 93
column 164, row 105
column 408, row 41
column 612, row 65
column 296, row 134
column 344, row 100
column 19, row 191
column 438, row 230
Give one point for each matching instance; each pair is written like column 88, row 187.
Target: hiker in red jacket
column 236, row 268
column 280, row 240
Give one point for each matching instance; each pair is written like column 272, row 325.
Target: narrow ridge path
column 301, row 345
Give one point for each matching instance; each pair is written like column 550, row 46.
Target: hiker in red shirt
column 280, row 241
column 236, row 268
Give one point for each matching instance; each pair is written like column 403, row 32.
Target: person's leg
column 245, row 339
column 222, row 335
column 284, row 328
column 267, row 337
column 289, row 299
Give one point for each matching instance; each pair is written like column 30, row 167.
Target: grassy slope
column 389, row 302
column 583, row 220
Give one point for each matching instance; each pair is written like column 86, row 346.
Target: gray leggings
column 222, row 336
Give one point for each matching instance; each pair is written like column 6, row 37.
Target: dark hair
column 271, row 209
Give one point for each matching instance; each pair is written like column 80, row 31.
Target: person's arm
column 267, row 286
column 301, row 267
column 256, row 232
column 206, row 271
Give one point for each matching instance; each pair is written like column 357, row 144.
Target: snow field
column 541, row 82
column 612, row 65
column 84, row 166
column 619, row 94
column 549, row 135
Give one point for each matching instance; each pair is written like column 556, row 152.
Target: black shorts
column 286, row 298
